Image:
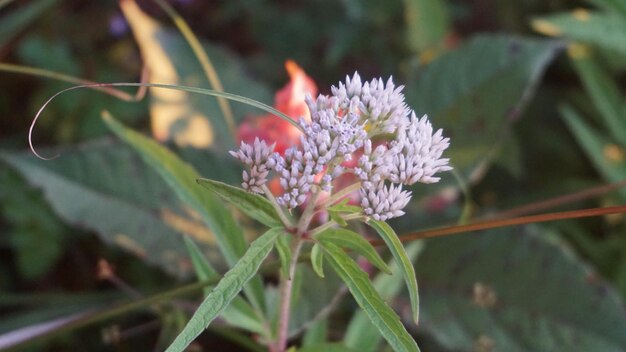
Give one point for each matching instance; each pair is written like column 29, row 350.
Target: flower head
column 344, row 124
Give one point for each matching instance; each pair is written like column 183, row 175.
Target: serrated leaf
column 227, row 289
column 253, row 205
column 239, row 313
column 317, row 260
column 361, row 334
column 181, row 177
column 83, row 188
column 520, row 288
column 349, row 239
column 474, row 99
column 604, row 29
column 399, row 254
column 359, row 284
column 284, row 253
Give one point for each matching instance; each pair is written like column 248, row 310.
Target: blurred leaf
column 604, row 29
column 361, row 334
column 406, row 267
column 15, row 22
column 427, row 23
column 602, row 89
column 181, row 177
column 607, row 157
column 253, row 205
column 514, row 290
column 185, row 118
column 615, row 5
column 326, row 347
column 227, row 289
column 354, row 241
column 380, row 314
column 83, row 187
column 316, row 334
column 477, row 90
column 317, row 260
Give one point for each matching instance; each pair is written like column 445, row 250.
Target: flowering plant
column 396, row 148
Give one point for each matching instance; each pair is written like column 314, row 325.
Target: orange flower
column 288, row 100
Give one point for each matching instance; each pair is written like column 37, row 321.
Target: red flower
column 288, row 100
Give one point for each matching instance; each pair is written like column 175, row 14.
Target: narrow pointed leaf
column 317, row 260
column 226, row 290
column 352, row 240
column 284, row 254
column 239, row 313
column 361, row 334
column 380, row 314
column 397, row 250
column 253, row 205
column 181, row 177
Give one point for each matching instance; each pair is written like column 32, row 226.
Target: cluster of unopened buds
column 369, row 122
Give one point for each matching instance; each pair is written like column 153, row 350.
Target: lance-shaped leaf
column 284, row 253
column 181, row 177
column 352, row 240
column 253, row 205
column 317, row 260
column 399, row 254
column 239, row 313
column 226, row 290
column 359, row 284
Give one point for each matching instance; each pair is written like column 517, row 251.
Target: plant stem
column 283, row 218
column 285, row 296
column 307, row 215
column 341, row 193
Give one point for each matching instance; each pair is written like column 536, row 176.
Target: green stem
column 285, row 296
column 340, row 194
column 281, row 214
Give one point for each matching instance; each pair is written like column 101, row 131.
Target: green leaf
column 354, row 241
column 317, row 260
column 361, row 334
column 344, row 207
column 520, row 288
column 326, row 347
column 15, row 22
column 181, row 177
column 284, row 253
column 399, row 254
column 253, row 205
column 603, row 91
column 239, row 313
column 316, row 334
column 612, row 5
column 227, row 289
column 595, row 146
column 336, row 217
column 427, row 23
column 603, row 29
column 474, row 99
column 84, row 189
column 359, row 284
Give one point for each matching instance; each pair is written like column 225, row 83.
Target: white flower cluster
column 345, row 123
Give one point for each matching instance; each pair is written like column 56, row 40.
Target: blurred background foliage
column 531, row 93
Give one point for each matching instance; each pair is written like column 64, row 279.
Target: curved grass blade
column 226, row 290
column 380, row 314
column 399, row 254
column 181, row 177
column 203, row 91
column 253, row 205
column 355, row 242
